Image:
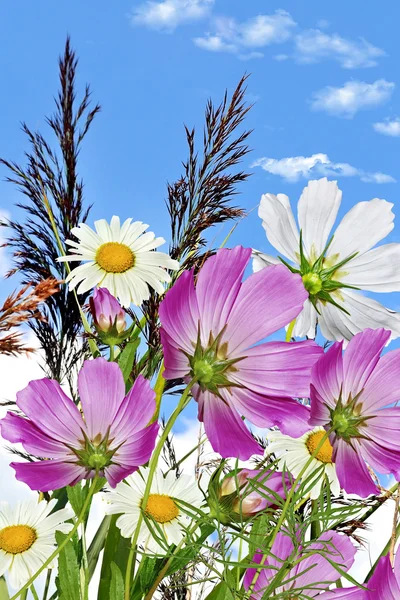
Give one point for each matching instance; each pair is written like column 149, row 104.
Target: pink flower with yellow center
column 355, row 394
column 110, row 438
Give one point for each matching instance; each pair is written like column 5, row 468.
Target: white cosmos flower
column 27, row 537
column 121, row 258
column 348, row 258
column 295, row 453
column 166, row 508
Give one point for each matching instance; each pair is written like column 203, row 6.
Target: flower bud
column 108, row 315
column 253, row 491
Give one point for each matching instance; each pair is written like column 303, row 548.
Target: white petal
column 103, row 230
column 306, row 321
column 377, row 270
column 134, row 231
column 115, row 227
column 361, row 228
column 261, row 260
column 87, row 236
column 317, row 210
column 93, row 277
column 364, row 313
column 5, row 561
column 279, row 224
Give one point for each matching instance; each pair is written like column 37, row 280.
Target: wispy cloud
column 314, row 45
column 169, row 14
column 388, row 127
column 245, row 39
column 294, row 168
column 346, row 101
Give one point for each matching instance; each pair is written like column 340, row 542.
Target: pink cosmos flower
column 255, row 490
column 107, row 311
column 209, row 331
column 383, row 585
column 312, row 576
column 111, row 437
column 354, row 394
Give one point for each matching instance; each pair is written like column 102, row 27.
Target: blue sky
column 323, row 78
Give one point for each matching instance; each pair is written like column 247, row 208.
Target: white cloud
column 255, row 33
column 169, row 14
column 314, row 45
column 389, row 127
column 293, row 168
column 346, row 101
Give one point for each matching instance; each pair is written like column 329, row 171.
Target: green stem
column 315, row 524
column 112, row 354
column 152, row 467
column 85, row 565
column 165, row 568
column 285, row 508
column 92, row 344
column 34, row 593
column 47, row 584
column 290, row 330
column 63, row 544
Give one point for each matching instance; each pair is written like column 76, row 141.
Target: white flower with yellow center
column 168, row 513
column 121, row 258
column 27, row 537
column 296, row 452
column 335, row 267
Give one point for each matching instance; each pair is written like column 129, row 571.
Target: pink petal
column 218, row 285
column 48, row 474
column 19, row 430
column 175, row 362
column 338, row 548
column 278, row 369
column 383, row 386
column 384, row 427
column 138, row 448
column 382, row 458
column 267, row 301
column 360, row 359
column 326, row 383
column 353, row 593
column 352, row 471
column 179, row 313
column 101, row 390
column 115, row 474
column 226, row 431
column 135, row 412
column 56, row 415
column 383, row 584
column 264, row 411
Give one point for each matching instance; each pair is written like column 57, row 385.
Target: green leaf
column 116, row 550
column 97, row 545
column 221, row 592
column 117, row 588
column 77, row 495
column 127, row 357
column 4, row 595
column 68, row 580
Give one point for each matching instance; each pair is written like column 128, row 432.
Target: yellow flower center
column 324, row 454
column 114, row 257
column 161, row 508
column 16, row 539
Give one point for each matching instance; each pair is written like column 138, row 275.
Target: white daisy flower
column 27, row 537
column 335, row 267
column 296, row 452
column 121, row 258
column 166, row 507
